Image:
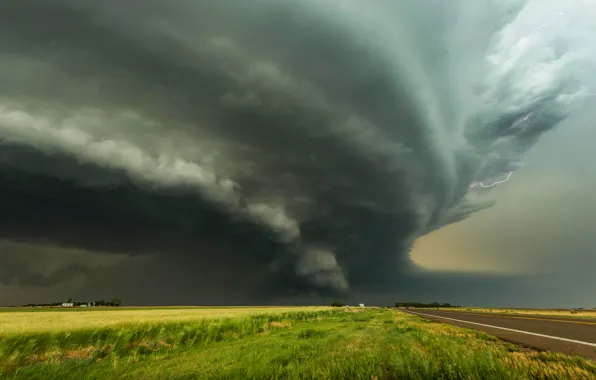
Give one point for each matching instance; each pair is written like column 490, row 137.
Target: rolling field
column 259, row 343
column 591, row 314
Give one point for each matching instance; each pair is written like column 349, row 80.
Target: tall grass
column 17, row 350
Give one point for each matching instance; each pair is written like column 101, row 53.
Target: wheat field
column 70, row 319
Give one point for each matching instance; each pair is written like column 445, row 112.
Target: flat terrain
column 56, row 319
column 13, row 309
column 560, row 313
column 573, row 337
column 289, row 343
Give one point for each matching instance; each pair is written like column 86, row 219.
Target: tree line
column 408, row 304
column 113, row 302
column 423, row 305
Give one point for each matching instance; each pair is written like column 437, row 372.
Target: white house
column 361, row 305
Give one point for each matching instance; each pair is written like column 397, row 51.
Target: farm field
column 240, row 343
column 56, row 319
column 562, row 313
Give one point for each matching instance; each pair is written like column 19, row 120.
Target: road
column 571, row 337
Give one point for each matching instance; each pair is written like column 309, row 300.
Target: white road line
column 504, row 328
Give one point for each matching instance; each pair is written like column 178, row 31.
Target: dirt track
column 571, row 337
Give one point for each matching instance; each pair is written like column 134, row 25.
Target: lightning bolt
column 480, row 184
column 476, row 184
column 554, row 17
column 552, row 23
column 553, row 20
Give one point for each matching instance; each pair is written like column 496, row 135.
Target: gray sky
column 186, row 154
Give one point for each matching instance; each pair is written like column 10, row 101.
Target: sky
column 272, row 152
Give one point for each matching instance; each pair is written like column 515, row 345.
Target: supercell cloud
column 286, row 148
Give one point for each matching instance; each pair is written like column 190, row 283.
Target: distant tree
column 422, row 305
column 69, row 300
column 337, row 304
column 116, row 301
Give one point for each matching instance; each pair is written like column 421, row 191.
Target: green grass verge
column 372, row 344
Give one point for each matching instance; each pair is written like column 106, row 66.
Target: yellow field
column 545, row 312
column 21, row 322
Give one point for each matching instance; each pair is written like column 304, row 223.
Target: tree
column 337, row 304
column 116, row 301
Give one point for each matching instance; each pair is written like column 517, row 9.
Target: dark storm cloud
column 282, row 144
column 32, row 265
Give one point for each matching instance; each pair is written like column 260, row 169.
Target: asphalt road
column 571, row 337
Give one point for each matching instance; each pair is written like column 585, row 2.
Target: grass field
column 263, row 344
column 68, row 319
column 591, row 314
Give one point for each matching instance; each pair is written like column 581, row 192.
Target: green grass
column 376, row 343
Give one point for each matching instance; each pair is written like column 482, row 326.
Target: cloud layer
column 292, row 147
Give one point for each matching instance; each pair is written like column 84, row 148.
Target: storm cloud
column 272, row 148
